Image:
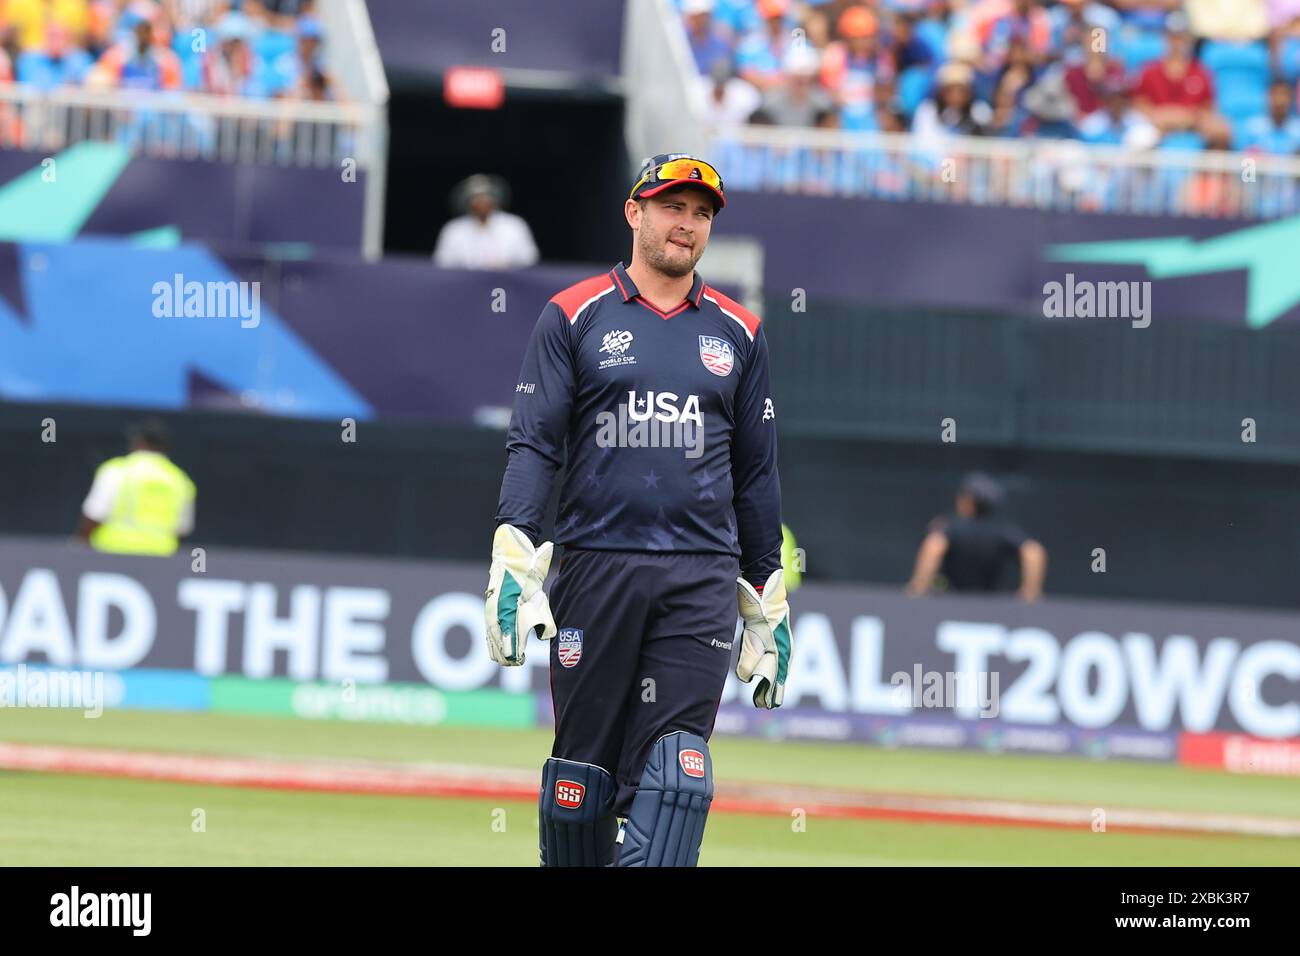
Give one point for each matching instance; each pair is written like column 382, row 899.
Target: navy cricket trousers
column 643, row 649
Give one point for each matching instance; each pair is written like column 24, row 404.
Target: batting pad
column 665, row 826
column 576, row 822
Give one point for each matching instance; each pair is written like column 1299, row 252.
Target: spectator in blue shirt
column 1146, row 14
column 60, row 63
column 1025, row 23
column 761, row 54
column 707, row 46
column 736, row 17
column 856, row 68
column 1279, row 130
column 233, row 68
column 1118, row 122
column 907, row 48
column 291, row 74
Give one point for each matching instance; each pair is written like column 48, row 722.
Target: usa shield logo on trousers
column 569, row 646
column 716, row 354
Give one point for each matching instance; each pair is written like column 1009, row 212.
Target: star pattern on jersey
column 704, row 480
column 663, row 534
column 569, row 524
column 651, row 480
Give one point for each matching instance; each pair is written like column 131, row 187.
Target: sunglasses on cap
column 678, row 172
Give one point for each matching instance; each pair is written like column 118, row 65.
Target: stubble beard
column 656, row 258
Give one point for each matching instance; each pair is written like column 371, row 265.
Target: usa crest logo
column 716, row 354
column 692, row 762
column 569, row 648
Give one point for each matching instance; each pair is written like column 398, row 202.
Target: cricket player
column 654, row 387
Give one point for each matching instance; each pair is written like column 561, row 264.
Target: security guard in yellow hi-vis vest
column 140, row 503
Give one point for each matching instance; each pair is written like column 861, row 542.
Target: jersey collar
column 628, row 290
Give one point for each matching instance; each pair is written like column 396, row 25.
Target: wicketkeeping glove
column 765, row 645
column 516, row 604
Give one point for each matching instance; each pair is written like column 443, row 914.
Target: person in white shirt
column 486, row 237
column 729, row 100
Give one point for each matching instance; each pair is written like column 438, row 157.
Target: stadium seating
column 1136, row 48
column 1289, row 59
column 1241, row 72
column 989, row 37
column 193, row 53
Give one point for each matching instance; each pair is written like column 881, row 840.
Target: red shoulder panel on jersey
column 750, row 320
column 572, row 298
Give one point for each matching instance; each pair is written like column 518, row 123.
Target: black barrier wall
column 1172, row 529
column 1178, row 387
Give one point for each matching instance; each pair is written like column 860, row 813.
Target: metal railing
column 1061, row 175
column 354, row 59
column 171, row 125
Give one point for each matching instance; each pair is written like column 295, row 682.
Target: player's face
column 674, row 229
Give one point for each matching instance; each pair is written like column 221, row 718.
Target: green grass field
column 60, row 819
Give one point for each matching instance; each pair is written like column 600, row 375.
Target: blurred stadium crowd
column 1186, row 74
column 256, row 49
column 1014, row 89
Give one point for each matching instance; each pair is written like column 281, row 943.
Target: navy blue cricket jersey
column 666, row 419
